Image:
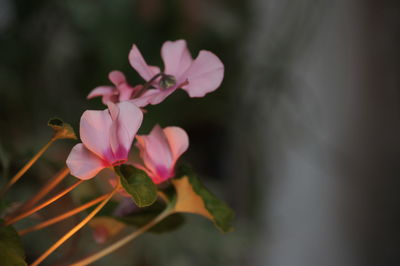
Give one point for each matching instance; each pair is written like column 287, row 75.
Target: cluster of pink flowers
column 107, row 135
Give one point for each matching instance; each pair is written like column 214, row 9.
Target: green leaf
column 138, row 185
column 11, row 250
column 194, row 197
column 61, row 129
column 143, row 217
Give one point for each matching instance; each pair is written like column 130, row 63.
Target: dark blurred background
column 301, row 139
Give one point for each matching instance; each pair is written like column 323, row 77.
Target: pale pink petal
column 157, row 172
column 130, row 119
column 113, row 109
column 101, row 91
column 146, row 98
column 83, row 163
column 139, row 64
column 178, row 141
column 119, row 80
column 157, row 149
column 176, row 57
column 107, row 92
column 127, row 119
column 117, row 77
column 152, row 96
column 155, row 69
column 137, row 89
column 204, row 75
column 95, row 132
column 139, row 162
column 125, row 92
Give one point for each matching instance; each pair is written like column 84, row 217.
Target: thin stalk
column 123, row 241
column 53, row 182
column 62, row 216
column 28, row 165
column 75, row 229
column 147, row 85
column 44, row 204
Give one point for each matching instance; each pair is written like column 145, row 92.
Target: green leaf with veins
column 194, row 197
column 137, row 184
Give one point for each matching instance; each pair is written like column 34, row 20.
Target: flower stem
column 123, row 241
column 75, row 229
column 62, row 216
column 28, row 165
column 53, row 182
column 44, row 204
column 147, row 85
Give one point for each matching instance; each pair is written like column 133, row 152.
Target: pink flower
column 106, row 137
column 121, row 92
column 197, row 77
column 160, row 150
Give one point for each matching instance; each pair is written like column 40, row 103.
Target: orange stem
column 53, row 182
column 62, row 216
column 26, row 167
column 44, row 204
column 75, row 229
column 123, row 241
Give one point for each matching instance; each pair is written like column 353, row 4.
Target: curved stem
column 53, row 182
column 44, row 204
column 123, row 241
column 28, row 165
column 75, row 229
column 62, row 216
column 163, row 196
column 147, row 85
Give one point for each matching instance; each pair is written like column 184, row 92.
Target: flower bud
column 167, row 81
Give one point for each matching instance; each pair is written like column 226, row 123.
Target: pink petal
column 101, row 91
column 139, row 64
column 152, row 96
column 117, row 77
column 155, row 69
column 204, row 75
column 107, row 92
column 157, row 153
column 95, row 132
column 125, row 92
column 119, row 80
column 113, row 109
column 83, row 163
column 176, row 57
column 178, row 141
column 127, row 119
column 139, row 162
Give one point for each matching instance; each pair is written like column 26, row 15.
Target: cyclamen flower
column 197, row 77
column 160, row 150
column 120, row 93
column 106, row 137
